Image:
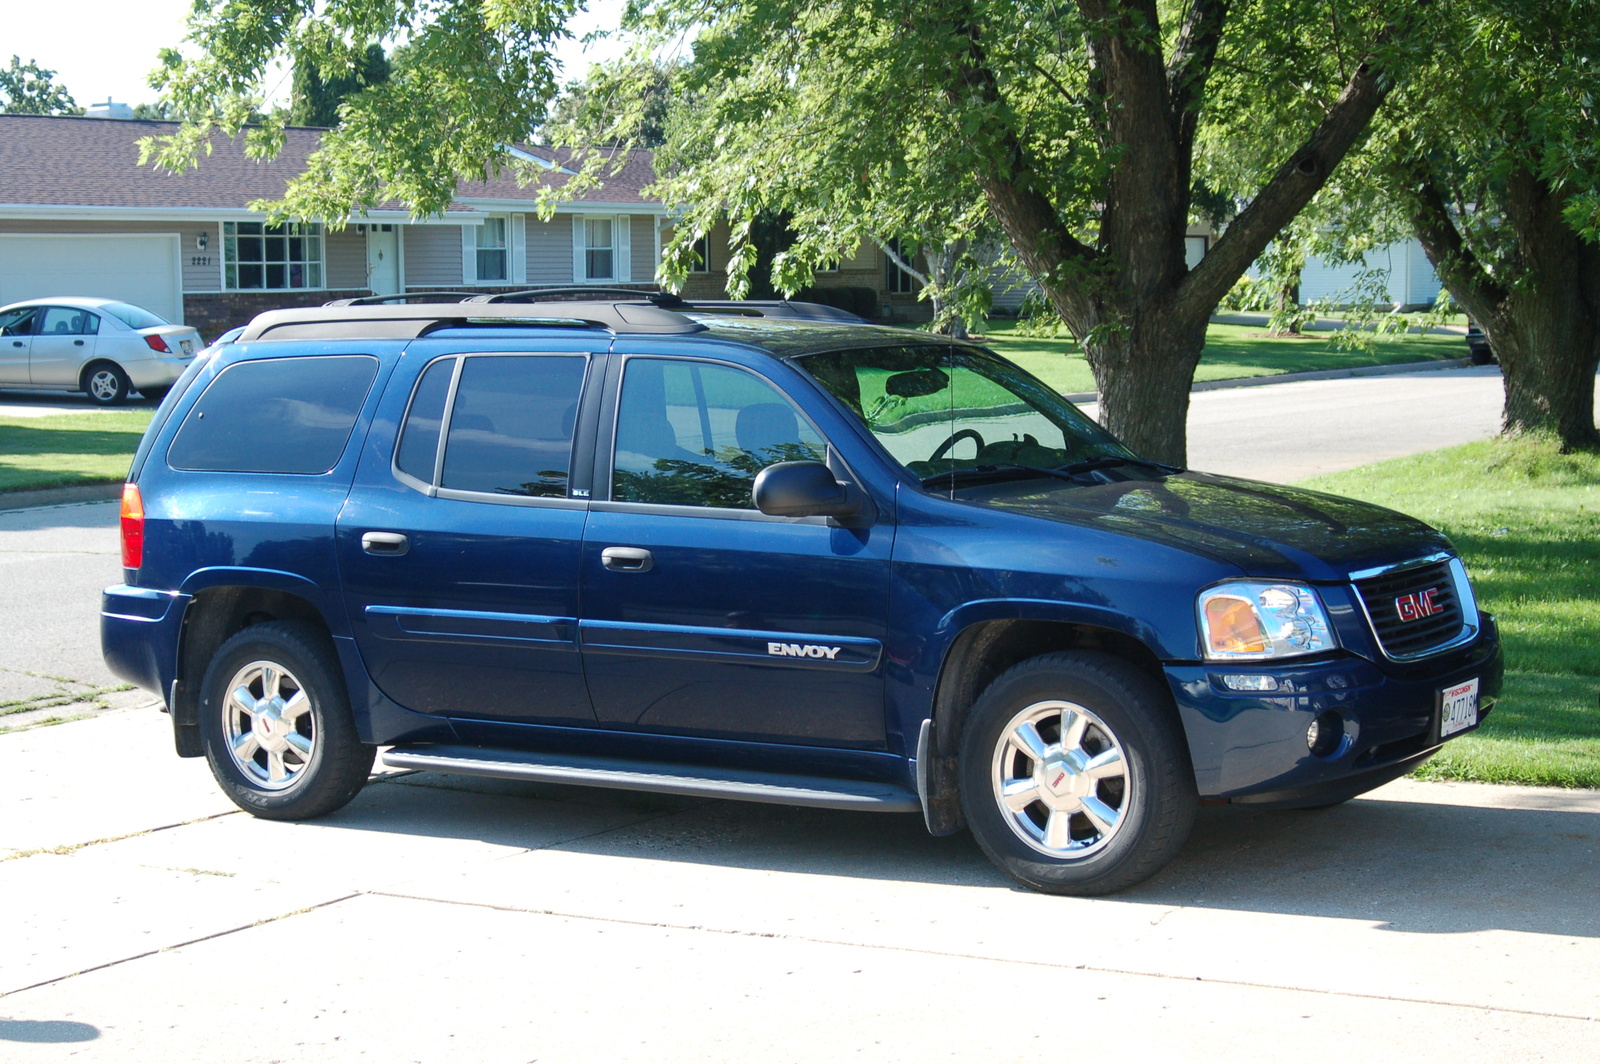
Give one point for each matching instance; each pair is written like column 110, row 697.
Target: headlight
column 1256, row 619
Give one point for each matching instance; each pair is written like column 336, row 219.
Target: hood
column 1265, row 529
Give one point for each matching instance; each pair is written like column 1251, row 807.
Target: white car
column 101, row 347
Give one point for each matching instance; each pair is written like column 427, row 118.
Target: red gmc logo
column 1417, row 606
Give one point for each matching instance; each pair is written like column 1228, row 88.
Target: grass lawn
column 66, row 449
column 1229, row 353
column 1527, row 522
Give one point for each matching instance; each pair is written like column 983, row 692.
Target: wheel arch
column 89, row 367
column 215, row 612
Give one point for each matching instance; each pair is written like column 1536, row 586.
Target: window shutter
column 518, row 249
column 469, row 255
column 622, row 243
column 577, row 249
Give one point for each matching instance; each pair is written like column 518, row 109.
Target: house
column 80, row 216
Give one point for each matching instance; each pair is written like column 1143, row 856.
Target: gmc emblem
column 1417, row 606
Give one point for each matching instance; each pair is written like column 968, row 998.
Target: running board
column 746, row 785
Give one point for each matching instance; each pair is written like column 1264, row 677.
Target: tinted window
column 511, row 425
column 68, row 321
column 695, row 434
column 419, row 439
column 280, row 415
column 17, row 322
column 134, row 317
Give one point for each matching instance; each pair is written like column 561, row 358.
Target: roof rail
column 399, row 297
column 408, row 321
column 539, row 295
column 772, row 308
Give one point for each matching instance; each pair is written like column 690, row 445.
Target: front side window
column 257, row 256
column 275, row 415
column 18, row 322
column 510, row 427
column 598, row 251
column 697, row 433
column 68, row 321
column 941, row 409
column 492, row 250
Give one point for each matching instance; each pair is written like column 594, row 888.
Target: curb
column 1308, row 375
column 23, row 500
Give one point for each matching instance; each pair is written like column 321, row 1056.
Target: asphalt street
column 440, row 918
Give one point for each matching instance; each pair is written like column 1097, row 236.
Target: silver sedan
column 100, row 347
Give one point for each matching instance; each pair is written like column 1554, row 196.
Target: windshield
column 939, row 409
column 134, row 317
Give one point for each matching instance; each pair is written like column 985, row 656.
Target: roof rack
column 408, row 321
column 771, row 308
column 540, row 295
column 401, row 297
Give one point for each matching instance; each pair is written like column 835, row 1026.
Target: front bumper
column 1251, row 747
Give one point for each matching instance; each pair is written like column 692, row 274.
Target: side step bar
column 746, row 785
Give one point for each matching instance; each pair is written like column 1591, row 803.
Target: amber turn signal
column 1233, row 628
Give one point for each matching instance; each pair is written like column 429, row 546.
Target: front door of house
column 383, row 259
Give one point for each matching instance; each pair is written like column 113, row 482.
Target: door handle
column 16, row 343
column 388, row 543
column 77, row 343
column 627, row 559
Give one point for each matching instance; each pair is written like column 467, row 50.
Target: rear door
column 16, row 338
column 703, row 616
column 64, row 340
column 458, row 546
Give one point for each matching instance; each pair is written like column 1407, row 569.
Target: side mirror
column 801, row 489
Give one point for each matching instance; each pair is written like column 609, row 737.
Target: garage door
column 142, row 270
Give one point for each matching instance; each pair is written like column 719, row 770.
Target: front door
column 704, row 617
column 16, row 337
column 458, row 548
column 62, row 344
column 383, row 259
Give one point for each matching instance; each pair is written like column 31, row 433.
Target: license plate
column 187, row 345
column 1458, row 708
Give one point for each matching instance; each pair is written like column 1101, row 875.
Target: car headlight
column 1257, row 619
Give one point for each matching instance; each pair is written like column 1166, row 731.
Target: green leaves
column 29, row 89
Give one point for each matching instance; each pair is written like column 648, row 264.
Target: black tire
column 1121, row 709
column 155, row 394
column 106, row 384
column 308, row 785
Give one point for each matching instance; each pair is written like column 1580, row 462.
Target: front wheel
column 276, row 724
column 1075, row 777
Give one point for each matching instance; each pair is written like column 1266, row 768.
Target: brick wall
column 214, row 313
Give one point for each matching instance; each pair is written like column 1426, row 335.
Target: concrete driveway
column 440, row 918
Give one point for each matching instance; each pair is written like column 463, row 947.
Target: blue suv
column 761, row 551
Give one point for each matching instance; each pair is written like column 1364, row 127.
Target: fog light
column 1325, row 734
column 1250, row 683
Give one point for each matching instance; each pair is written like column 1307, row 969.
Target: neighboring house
column 1411, row 279
column 80, row 216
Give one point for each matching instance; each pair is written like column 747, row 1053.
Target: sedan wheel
column 107, row 385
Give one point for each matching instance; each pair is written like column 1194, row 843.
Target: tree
column 318, row 91
column 1494, row 156
column 29, row 89
column 1077, row 127
column 623, row 103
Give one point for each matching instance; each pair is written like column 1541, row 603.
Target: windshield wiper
column 1106, row 461
column 979, row 474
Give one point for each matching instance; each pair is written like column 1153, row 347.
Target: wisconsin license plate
column 1458, row 708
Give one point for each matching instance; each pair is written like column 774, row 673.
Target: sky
column 101, row 48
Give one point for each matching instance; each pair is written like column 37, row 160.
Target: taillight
column 132, row 527
column 156, row 343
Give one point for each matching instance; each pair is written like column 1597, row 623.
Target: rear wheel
column 276, row 724
column 155, row 394
column 1075, row 778
column 106, row 383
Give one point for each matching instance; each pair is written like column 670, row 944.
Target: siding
column 345, row 253
column 642, row 249
column 433, row 256
column 1411, row 279
column 202, row 270
column 550, row 250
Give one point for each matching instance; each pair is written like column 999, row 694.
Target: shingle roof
column 626, row 186
column 48, row 160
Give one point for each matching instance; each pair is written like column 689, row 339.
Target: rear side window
column 510, row 421
column 279, row 415
column 134, row 317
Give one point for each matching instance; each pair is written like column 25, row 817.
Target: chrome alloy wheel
column 1061, row 780
column 268, row 725
column 104, row 385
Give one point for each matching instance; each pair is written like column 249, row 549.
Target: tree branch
column 1299, row 179
column 1192, row 60
column 1457, row 265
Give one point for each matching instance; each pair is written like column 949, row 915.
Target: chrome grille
column 1402, row 638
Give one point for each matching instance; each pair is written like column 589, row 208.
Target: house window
column 896, row 280
column 702, row 255
column 598, row 250
column 492, row 250
column 1194, row 249
column 272, row 257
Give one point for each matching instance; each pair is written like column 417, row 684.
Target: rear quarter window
column 279, row 415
